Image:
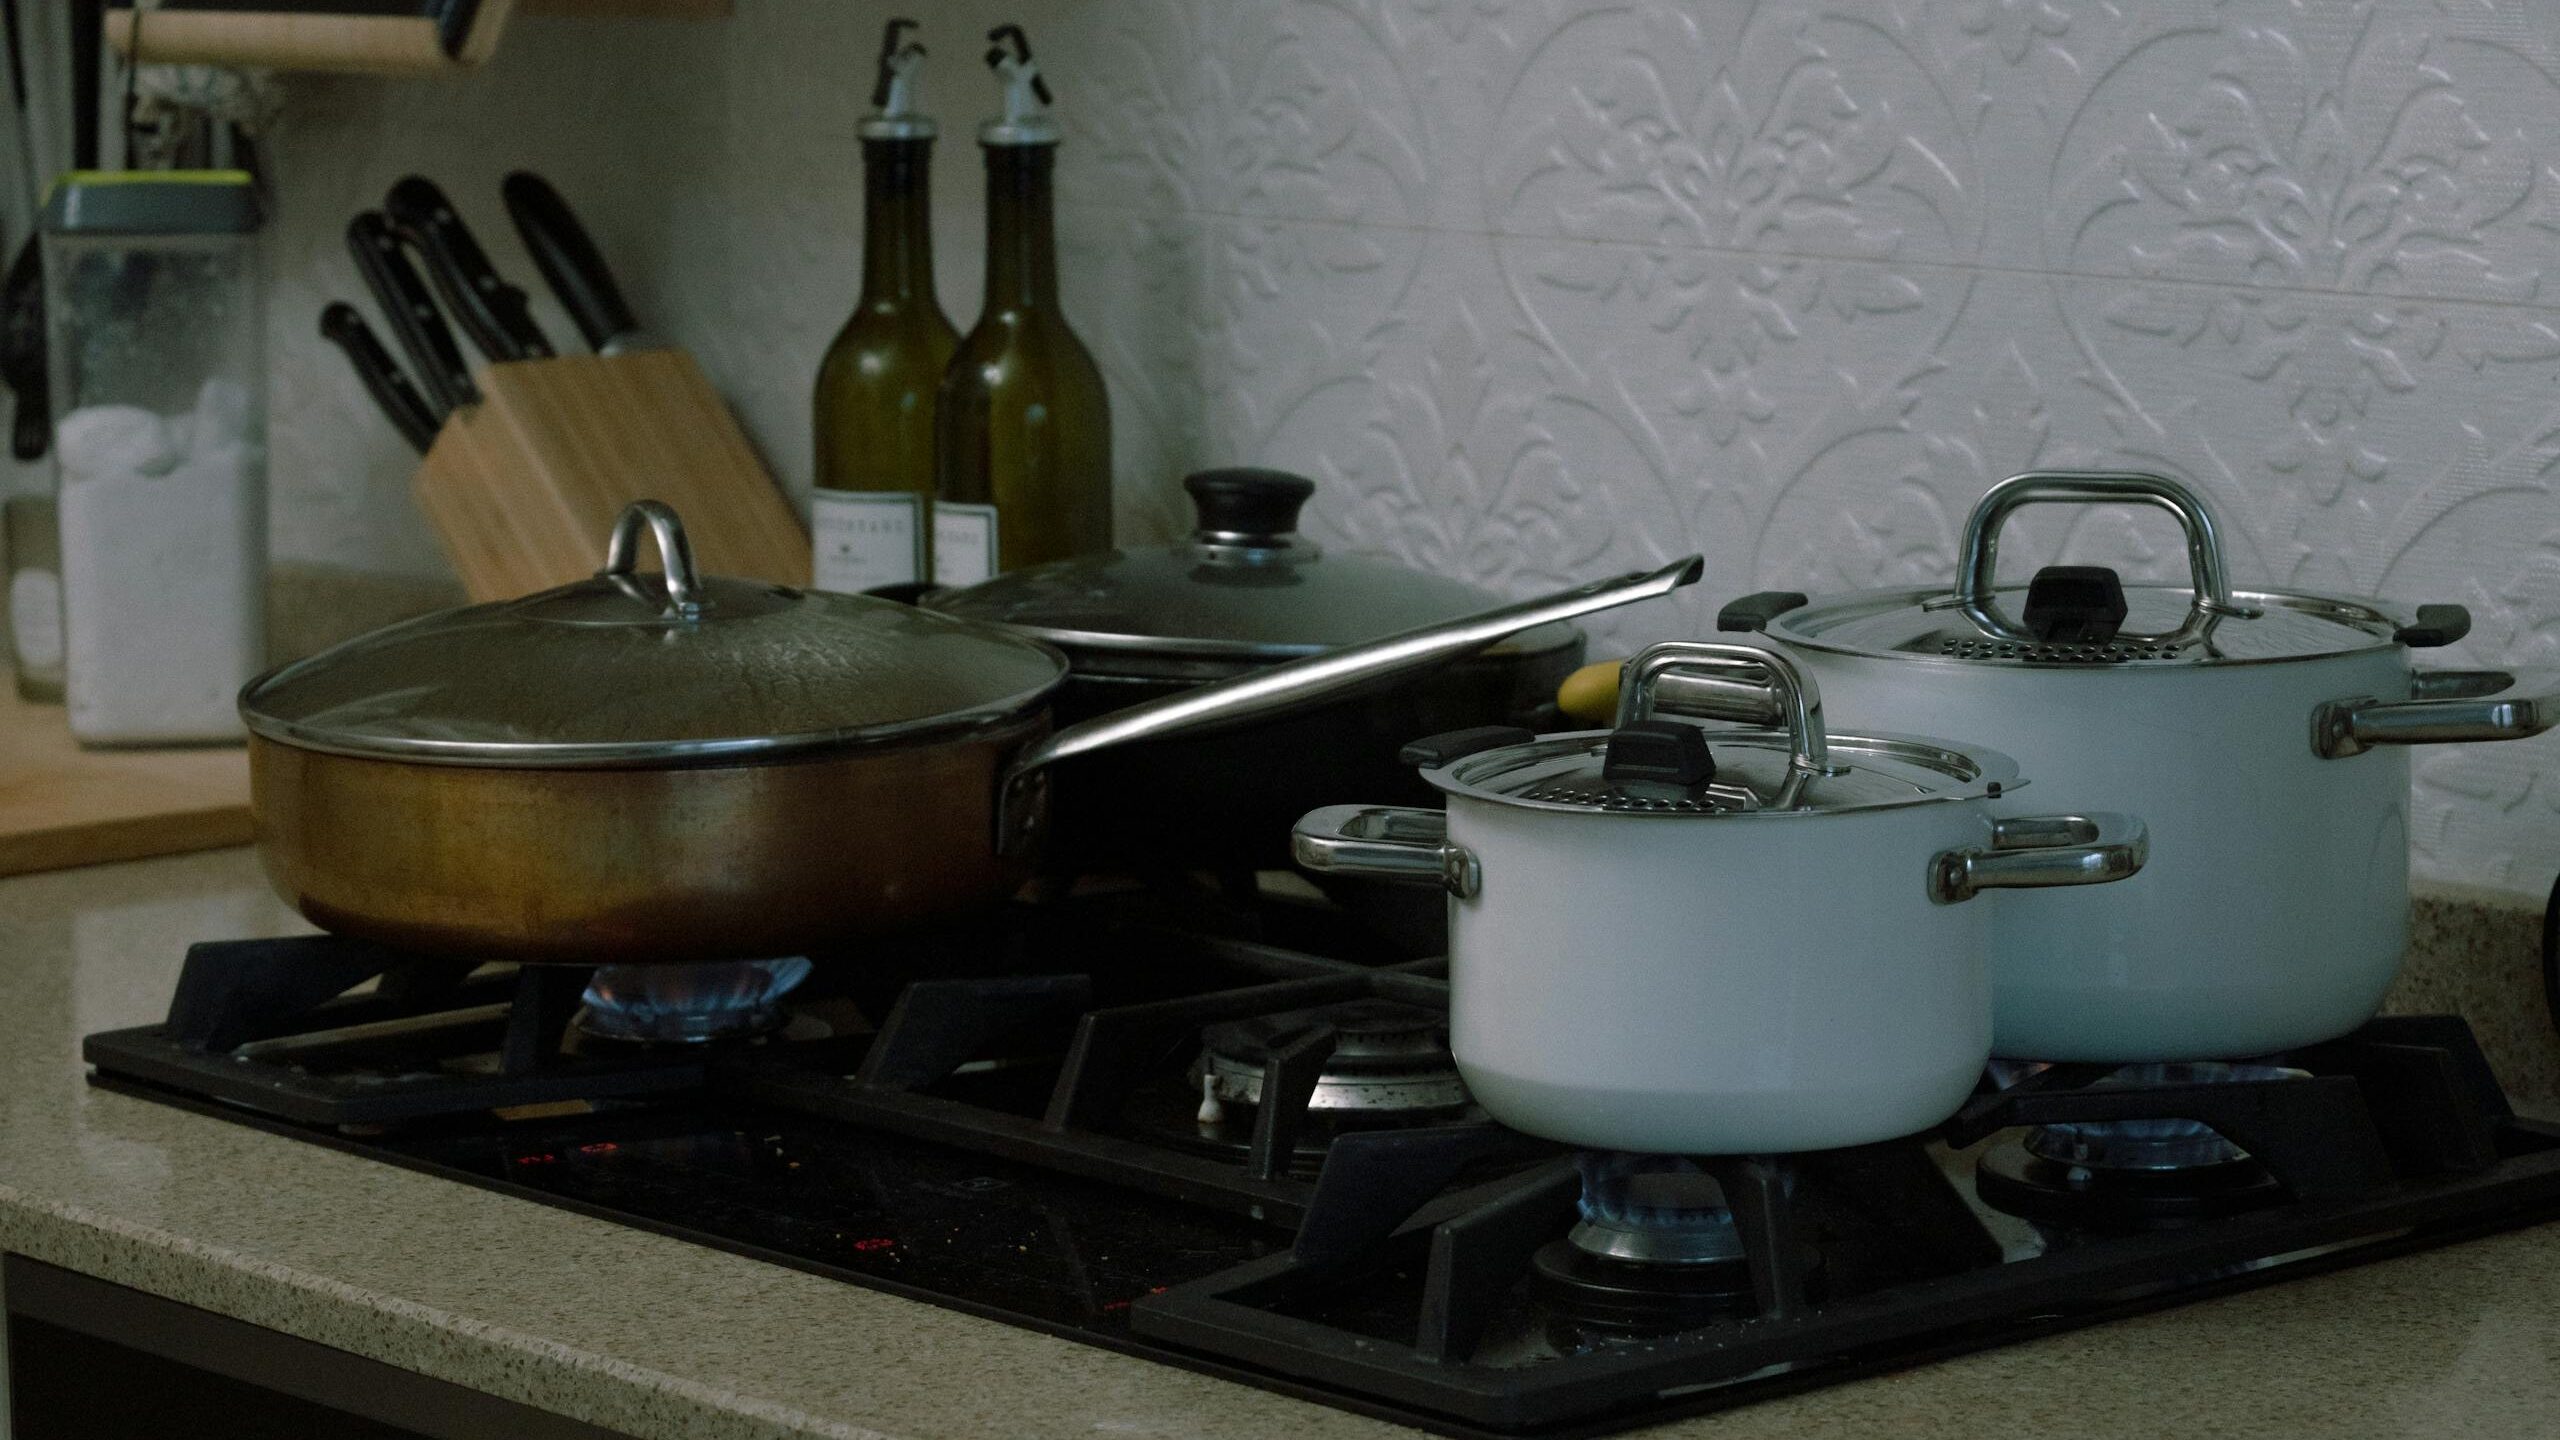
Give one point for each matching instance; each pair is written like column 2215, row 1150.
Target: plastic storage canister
column 159, row 435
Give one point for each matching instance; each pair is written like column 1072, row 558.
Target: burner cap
column 2156, row 1145
column 2083, row 1197
column 1652, row 1210
column 1631, row 1299
column 689, row 1004
column 1387, row 1057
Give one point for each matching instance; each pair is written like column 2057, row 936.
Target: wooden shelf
column 358, row 38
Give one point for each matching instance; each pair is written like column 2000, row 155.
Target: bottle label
column 864, row 538
column 35, row 618
column 964, row 543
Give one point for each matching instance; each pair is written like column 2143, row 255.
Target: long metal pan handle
column 1978, row 553
column 2445, row 706
column 1305, row 684
column 2033, row 852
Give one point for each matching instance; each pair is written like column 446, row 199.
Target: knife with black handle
column 573, row 267
column 401, row 403
column 411, row 312
column 492, row 312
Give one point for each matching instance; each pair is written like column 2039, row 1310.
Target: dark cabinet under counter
column 90, row 1360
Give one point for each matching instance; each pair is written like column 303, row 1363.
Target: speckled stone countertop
column 656, row 1337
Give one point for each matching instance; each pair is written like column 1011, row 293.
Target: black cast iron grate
column 975, row 1152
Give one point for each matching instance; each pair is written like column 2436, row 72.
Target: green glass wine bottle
column 1024, row 426
column 869, row 522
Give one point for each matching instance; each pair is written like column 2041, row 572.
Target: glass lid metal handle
column 1744, row 683
column 1979, row 552
column 675, row 555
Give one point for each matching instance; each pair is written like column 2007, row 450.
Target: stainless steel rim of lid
column 648, row 755
column 1802, row 629
column 1972, row 772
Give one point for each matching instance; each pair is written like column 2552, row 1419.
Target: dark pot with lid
column 1246, row 592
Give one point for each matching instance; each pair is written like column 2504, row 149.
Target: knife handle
column 493, row 313
column 400, row 401
column 567, row 258
column 410, row 310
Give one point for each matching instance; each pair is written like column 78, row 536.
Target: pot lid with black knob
column 1675, row 767
column 1245, row 590
column 2085, row 616
column 2083, row 626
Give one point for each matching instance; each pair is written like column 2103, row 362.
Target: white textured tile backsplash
column 1542, row 290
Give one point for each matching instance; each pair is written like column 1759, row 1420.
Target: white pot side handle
column 1385, row 842
column 2445, row 706
column 2034, row 852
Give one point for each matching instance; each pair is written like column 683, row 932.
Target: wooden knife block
column 523, row 488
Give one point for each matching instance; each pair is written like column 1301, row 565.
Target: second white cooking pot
column 2261, row 733
column 1667, row 940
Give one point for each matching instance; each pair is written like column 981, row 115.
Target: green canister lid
column 152, row 202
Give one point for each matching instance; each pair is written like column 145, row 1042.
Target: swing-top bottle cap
column 893, row 96
column 1026, row 119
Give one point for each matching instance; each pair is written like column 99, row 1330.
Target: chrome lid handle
column 1979, row 552
column 1722, row 680
column 675, row 554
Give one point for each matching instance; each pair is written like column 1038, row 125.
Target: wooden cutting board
column 62, row 806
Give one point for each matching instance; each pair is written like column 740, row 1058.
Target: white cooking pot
column 1657, row 948
column 2260, row 733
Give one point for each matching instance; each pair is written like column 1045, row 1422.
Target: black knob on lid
column 1663, row 751
column 2075, row 604
column 1755, row 611
column 2436, row 625
column 1248, row 503
column 1451, row 746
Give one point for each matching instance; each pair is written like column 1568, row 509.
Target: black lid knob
column 1451, row 746
column 2075, row 604
column 1248, row 502
column 1664, row 751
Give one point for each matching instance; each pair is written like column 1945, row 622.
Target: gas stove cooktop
column 1226, row 1133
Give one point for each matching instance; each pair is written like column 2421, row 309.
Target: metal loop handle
column 1977, row 556
column 2034, row 852
column 1758, row 686
column 1385, row 842
column 2444, row 706
column 675, row 554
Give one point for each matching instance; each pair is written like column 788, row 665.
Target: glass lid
column 626, row 669
column 1650, row 764
column 1246, row 589
column 2084, row 615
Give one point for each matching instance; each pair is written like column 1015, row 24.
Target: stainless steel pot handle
column 1979, row 552
column 1304, row 684
column 2039, row 851
column 1385, row 842
column 2443, row 706
column 1722, row 680
column 675, row 554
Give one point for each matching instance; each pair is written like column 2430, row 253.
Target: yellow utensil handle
column 1590, row 695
